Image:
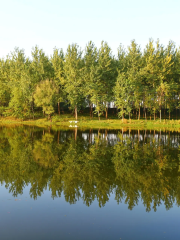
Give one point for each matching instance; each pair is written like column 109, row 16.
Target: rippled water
column 89, row 184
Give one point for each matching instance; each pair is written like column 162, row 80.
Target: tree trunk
column 75, row 134
column 154, row 115
column 76, row 112
column 33, row 107
column 98, row 115
column 169, row 115
column 160, row 134
column 106, row 112
column 59, row 109
column 91, row 111
column 129, row 115
column 122, row 114
column 139, row 113
column 58, row 137
column 106, row 134
column 145, row 112
column 90, row 136
column 160, row 114
column 98, row 133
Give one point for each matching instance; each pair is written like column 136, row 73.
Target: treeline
column 133, row 80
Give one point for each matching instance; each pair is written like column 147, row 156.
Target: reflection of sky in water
column 142, row 166
column 46, row 218
column 113, row 138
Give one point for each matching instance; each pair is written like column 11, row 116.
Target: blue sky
column 50, row 23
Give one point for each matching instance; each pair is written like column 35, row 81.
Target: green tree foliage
column 149, row 79
column 73, row 69
column 104, row 80
column 5, row 90
column 90, row 72
column 19, row 82
column 134, row 64
column 122, row 94
column 58, row 66
column 45, row 95
column 40, row 69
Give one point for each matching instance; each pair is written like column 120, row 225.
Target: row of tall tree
column 133, row 80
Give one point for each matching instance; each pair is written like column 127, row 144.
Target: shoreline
column 95, row 123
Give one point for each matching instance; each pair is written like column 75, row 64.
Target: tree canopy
column 133, row 80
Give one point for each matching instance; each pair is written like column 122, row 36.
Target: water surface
column 89, row 184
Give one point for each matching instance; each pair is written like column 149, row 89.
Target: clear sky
column 50, row 23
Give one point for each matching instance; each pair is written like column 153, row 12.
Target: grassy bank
column 87, row 122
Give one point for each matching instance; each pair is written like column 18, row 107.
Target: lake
column 91, row 184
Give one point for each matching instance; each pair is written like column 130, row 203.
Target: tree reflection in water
column 92, row 165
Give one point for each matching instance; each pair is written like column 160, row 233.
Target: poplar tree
column 176, row 76
column 122, row 94
column 148, row 79
column 73, row 70
column 45, row 95
column 19, row 82
column 58, row 66
column 170, row 95
column 149, row 76
column 134, row 64
column 122, row 59
column 105, row 80
column 89, row 73
column 40, row 69
column 4, row 87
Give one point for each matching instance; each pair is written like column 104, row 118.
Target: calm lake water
column 117, row 184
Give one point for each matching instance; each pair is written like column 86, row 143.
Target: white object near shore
column 73, row 122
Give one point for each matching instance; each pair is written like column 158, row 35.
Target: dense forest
column 135, row 80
